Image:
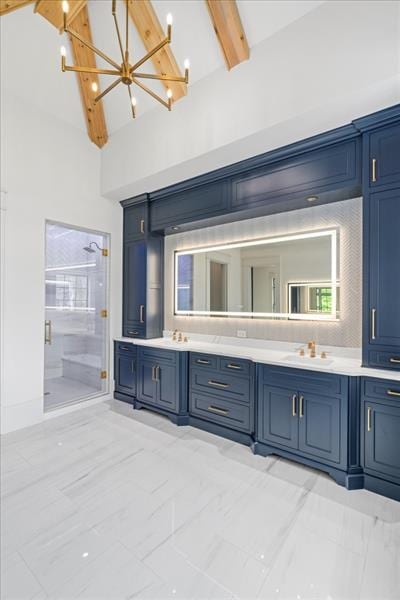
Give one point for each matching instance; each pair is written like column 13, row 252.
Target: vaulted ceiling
column 211, row 33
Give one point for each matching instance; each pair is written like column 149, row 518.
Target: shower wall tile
column 347, row 216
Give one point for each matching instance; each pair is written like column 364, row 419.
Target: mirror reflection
column 294, row 276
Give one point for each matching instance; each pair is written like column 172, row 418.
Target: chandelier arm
column 160, row 77
column 119, row 36
column 126, row 33
column 153, row 94
column 110, row 87
column 91, row 70
column 93, row 48
column 150, row 54
column 130, row 98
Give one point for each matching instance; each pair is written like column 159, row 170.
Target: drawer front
column 134, row 331
column 384, row 360
column 206, row 361
column 381, row 389
column 218, row 384
column 326, row 384
column 235, row 366
column 125, row 348
column 223, row 412
column 157, row 355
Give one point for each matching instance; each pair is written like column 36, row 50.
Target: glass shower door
column 76, row 315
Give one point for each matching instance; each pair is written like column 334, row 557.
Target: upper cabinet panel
column 135, row 222
column 283, row 183
column 384, row 157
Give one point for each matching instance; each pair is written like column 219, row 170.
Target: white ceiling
column 30, row 59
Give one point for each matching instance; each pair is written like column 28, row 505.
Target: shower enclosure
column 76, row 315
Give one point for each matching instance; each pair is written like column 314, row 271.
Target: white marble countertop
column 341, row 361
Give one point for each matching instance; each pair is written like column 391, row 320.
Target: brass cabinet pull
column 373, row 323
column 369, row 418
column 153, row 374
column 219, row 411
column 201, row 361
column 142, row 226
column 294, row 405
column 374, row 170
column 134, row 332
column 301, row 409
column 124, row 348
column 141, row 311
column 218, row 384
column 47, row 332
column 393, row 393
column 232, row 366
column 394, row 360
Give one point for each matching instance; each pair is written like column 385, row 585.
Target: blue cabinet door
column 384, row 268
column 384, row 153
column 320, row 426
column 167, row 387
column 147, row 382
column 381, row 452
column 277, row 416
column 135, row 221
column 134, row 292
column 125, row 374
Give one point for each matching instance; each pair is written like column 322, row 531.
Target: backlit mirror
column 286, row 277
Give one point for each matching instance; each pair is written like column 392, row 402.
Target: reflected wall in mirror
column 293, row 276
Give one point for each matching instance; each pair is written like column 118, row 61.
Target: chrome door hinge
column 104, row 313
column 103, row 374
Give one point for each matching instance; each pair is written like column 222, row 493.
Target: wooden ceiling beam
column 7, row 6
column 151, row 32
column 83, row 56
column 52, row 11
column 229, row 30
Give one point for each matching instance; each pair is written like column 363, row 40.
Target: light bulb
column 186, row 64
column 169, row 94
column 63, row 51
column 133, row 101
column 65, row 6
column 169, row 19
column 95, row 87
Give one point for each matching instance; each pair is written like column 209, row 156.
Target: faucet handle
column 311, row 345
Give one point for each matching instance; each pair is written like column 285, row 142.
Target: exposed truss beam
column 229, row 30
column 52, row 11
column 7, row 6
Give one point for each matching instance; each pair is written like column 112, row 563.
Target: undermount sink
column 296, row 358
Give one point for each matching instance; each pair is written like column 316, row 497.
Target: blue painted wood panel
column 385, row 150
column 381, row 455
column 135, row 221
column 219, row 410
column 277, row 416
column 320, row 427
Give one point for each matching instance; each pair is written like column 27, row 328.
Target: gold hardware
column 302, row 353
column 373, row 323
column 133, row 332
column 369, row 418
column 301, row 409
column 142, row 226
column 294, row 402
column 104, row 252
column 180, row 337
column 174, row 335
column 374, row 170
column 393, row 393
column 311, row 345
column 103, row 374
column 323, row 354
column 313, row 353
column 312, row 348
column 153, row 374
column 218, row 384
column 217, row 410
column 141, row 311
column 232, row 366
column 125, row 72
column 394, row 360
column 47, row 332
column 104, row 313
column 201, row 361
column 186, row 339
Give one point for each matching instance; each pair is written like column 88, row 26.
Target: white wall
column 49, row 171
column 338, row 62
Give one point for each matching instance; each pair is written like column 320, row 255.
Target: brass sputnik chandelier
column 126, row 72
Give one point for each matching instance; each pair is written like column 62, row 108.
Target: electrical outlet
column 241, row 333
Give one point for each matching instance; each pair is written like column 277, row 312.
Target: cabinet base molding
column 175, row 419
column 123, row 397
column 229, row 434
column 382, row 487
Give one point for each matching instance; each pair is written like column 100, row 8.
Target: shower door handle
column 47, row 332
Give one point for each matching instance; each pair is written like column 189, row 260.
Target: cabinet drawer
column 125, row 348
column 133, row 331
column 219, row 384
column 207, row 361
column 223, row 412
column 157, row 355
column 305, row 381
column 381, row 389
column 235, row 366
column 384, row 360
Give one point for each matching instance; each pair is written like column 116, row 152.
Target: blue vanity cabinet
column 380, row 436
column 125, row 366
column 162, row 382
column 143, row 255
column 304, row 414
column 384, row 156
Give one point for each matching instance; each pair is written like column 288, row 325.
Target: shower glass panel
column 76, row 323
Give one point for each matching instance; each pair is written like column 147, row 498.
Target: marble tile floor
column 111, row 503
column 60, row 391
